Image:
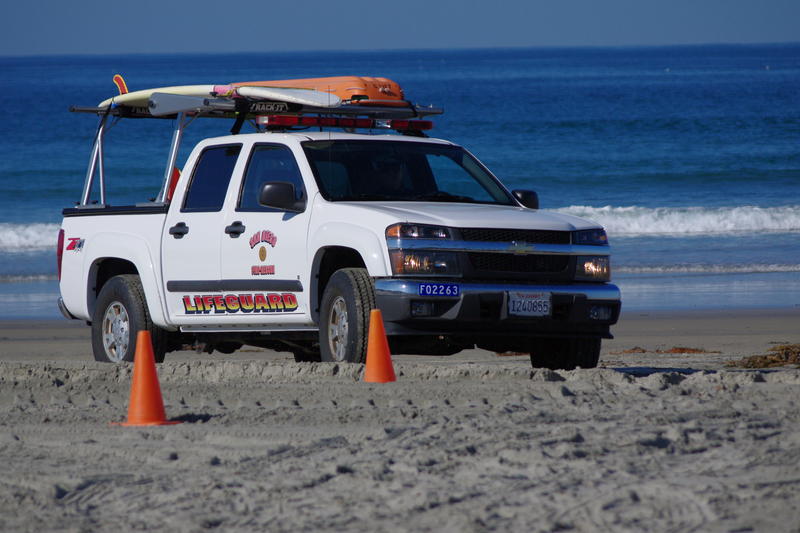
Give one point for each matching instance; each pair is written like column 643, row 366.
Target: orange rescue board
column 358, row 89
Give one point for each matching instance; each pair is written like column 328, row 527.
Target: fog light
column 419, row 308
column 600, row 312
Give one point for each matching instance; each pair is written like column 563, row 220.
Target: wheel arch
column 123, row 254
column 328, row 260
column 343, row 245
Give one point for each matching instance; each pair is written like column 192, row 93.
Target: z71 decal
column 269, row 302
column 75, row 244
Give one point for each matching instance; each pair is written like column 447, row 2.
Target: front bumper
column 481, row 309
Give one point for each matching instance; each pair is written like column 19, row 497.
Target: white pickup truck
column 286, row 239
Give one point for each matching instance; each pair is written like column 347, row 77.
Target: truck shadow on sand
column 193, row 418
column 644, row 371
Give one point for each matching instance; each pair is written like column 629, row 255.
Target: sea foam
column 27, row 237
column 635, row 220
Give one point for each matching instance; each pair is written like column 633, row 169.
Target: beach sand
column 473, row 442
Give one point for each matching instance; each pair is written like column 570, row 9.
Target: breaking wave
column 635, row 220
column 25, row 237
column 20, row 278
column 618, row 221
column 708, row 269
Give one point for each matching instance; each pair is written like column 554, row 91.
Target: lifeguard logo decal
column 266, row 302
column 262, row 238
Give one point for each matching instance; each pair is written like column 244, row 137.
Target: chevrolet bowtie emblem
column 520, row 248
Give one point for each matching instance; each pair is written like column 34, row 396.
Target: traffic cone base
column 146, row 406
column 379, row 367
column 164, row 423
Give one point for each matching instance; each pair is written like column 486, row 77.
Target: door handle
column 179, row 230
column 235, row 229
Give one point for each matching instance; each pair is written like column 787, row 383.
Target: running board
column 238, row 329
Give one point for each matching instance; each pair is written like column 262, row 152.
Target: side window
column 211, row 177
column 269, row 162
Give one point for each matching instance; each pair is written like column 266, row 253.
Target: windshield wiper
column 367, row 197
column 441, row 196
column 437, row 196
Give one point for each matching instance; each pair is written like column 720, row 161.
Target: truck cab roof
column 300, row 136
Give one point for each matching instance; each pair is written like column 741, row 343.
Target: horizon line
column 395, row 50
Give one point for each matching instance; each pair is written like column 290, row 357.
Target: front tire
column 344, row 316
column 120, row 313
column 565, row 353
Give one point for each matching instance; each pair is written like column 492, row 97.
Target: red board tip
column 119, row 81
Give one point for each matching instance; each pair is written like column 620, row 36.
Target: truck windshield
column 365, row 170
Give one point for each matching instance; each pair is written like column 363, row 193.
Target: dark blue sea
column 689, row 156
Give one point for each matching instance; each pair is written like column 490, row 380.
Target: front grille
column 519, row 264
column 520, row 235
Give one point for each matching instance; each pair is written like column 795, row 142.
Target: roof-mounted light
column 285, row 121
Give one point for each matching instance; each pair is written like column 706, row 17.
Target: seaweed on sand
column 785, row 354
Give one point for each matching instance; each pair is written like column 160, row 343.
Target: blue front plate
column 439, row 289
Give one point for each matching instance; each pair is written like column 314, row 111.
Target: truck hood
column 472, row 215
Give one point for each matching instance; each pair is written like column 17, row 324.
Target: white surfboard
column 163, row 104
column 140, row 98
column 307, row 97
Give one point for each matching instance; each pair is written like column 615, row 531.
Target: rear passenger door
column 264, row 256
column 191, row 241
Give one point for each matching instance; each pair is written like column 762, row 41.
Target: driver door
column 264, row 256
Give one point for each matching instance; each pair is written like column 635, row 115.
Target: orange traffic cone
column 379, row 367
column 146, row 407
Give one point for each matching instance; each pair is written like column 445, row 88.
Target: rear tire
column 344, row 316
column 565, row 353
column 120, row 313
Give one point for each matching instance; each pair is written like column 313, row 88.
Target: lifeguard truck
column 336, row 203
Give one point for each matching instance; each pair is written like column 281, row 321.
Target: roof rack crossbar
column 222, row 108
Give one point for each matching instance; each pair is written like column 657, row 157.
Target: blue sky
column 148, row 26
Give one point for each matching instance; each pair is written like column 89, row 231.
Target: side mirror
column 280, row 195
column 528, row 199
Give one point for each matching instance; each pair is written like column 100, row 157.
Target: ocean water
column 689, row 156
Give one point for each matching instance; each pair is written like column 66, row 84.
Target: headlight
column 424, row 262
column 596, row 237
column 412, row 262
column 417, row 231
column 592, row 268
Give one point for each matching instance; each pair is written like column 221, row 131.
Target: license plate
column 528, row 303
column 439, row 289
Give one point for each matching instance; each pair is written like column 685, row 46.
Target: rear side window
column 211, row 177
column 269, row 162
